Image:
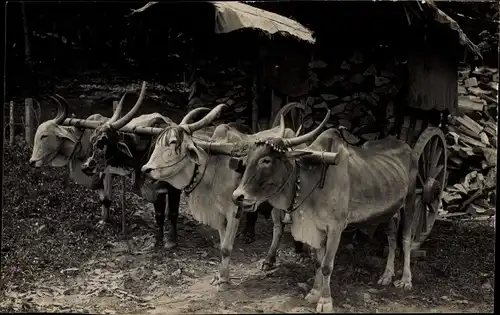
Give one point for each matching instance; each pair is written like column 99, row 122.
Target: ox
column 118, row 151
column 327, row 186
column 59, row 146
column 185, row 162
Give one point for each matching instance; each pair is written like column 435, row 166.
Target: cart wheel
column 431, row 180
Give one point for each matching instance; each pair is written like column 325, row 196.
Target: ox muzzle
column 89, row 167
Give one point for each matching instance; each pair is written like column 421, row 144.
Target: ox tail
column 283, row 111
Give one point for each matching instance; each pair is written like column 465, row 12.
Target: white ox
column 186, row 163
column 59, row 146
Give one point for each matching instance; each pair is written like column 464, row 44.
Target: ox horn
column 282, row 126
column 118, row 110
column 292, row 142
column 62, row 110
column 214, row 113
column 62, row 113
column 128, row 116
column 285, row 110
column 297, row 133
column 189, row 116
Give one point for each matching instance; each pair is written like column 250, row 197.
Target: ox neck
column 285, row 196
column 198, row 174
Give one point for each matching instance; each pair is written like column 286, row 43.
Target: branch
column 142, row 9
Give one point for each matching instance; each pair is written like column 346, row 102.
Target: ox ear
column 193, row 153
column 296, row 154
column 124, row 149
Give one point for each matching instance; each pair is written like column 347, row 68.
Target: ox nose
column 238, row 196
column 88, row 168
column 146, row 169
column 32, row 163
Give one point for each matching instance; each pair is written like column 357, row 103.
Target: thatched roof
column 441, row 17
column 234, row 15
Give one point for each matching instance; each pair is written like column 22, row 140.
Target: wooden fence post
column 11, row 123
column 29, row 121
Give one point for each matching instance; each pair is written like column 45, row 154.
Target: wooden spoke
column 431, row 179
column 435, row 160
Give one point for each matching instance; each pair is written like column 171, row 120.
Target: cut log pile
column 360, row 93
column 472, row 146
column 229, row 86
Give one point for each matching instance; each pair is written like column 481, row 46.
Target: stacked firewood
column 472, row 146
column 229, row 86
column 360, row 94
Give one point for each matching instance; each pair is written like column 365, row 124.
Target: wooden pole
column 255, row 105
column 122, row 199
column 11, row 123
column 28, row 124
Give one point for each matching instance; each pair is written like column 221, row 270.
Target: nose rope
column 77, row 144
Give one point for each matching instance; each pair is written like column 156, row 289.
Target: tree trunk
column 27, row 45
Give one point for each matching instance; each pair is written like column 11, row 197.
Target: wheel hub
column 431, row 191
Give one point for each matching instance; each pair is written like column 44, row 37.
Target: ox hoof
column 248, row 237
column 303, row 258
column 169, row 244
column 222, row 285
column 404, row 284
column 100, row 225
column 313, row 296
column 267, row 266
column 325, row 305
column 386, row 278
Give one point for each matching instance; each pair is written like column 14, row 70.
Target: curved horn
column 189, row 116
column 62, row 110
column 118, row 110
column 214, row 113
column 284, row 110
column 282, row 126
column 308, row 136
column 297, row 133
column 128, row 116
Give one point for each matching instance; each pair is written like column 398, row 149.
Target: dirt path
column 456, row 276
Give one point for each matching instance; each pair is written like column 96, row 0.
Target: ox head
column 177, row 152
column 107, row 144
column 53, row 143
column 269, row 165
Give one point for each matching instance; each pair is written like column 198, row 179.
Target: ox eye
column 172, row 142
column 265, row 160
column 43, row 137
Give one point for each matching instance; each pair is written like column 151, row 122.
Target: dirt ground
column 54, row 260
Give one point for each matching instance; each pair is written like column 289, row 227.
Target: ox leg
column 332, row 243
column 406, row 214
column 105, row 200
column 392, row 229
column 160, row 204
column 226, row 247
column 249, row 231
column 314, row 295
column 277, row 233
column 174, row 198
column 406, row 281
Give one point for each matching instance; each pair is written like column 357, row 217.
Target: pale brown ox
column 361, row 185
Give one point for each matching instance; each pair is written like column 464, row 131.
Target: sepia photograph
column 243, row 157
